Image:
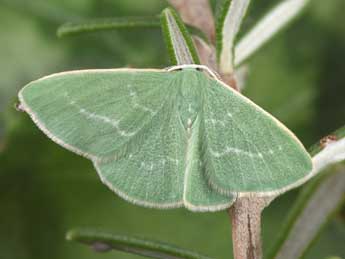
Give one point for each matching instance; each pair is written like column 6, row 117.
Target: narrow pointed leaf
column 228, row 25
column 317, row 202
column 321, row 198
column 179, row 42
column 93, row 25
column 206, row 52
column 103, row 242
column 266, row 28
column 198, row 14
column 116, row 23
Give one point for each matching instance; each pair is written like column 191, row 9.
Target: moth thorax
column 189, row 105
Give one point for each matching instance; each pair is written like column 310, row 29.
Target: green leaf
column 93, row 25
column 198, row 14
column 179, row 42
column 228, row 25
column 274, row 21
column 160, row 138
column 103, row 242
column 116, row 23
column 319, row 200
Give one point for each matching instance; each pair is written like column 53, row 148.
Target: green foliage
column 274, row 21
column 228, row 25
column 310, row 215
column 221, row 12
column 104, row 242
column 73, row 28
column 179, row 42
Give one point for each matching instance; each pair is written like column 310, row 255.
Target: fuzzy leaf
column 317, row 202
column 179, row 42
column 197, row 13
column 116, row 23
column 266, row 28
column 103, row 242
column 228, row 25
column 72, row 28
column 321, row 198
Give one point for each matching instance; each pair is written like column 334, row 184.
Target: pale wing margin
column 95, row 112
column 247, row 150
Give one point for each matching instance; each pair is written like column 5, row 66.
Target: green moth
column 168, row 138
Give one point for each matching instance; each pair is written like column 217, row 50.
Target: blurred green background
column 46, row 190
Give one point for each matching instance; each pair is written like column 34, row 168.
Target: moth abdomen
column 189, row 98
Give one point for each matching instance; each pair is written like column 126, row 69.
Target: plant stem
column 245, row 217
column 230, row 80
column 206, row 52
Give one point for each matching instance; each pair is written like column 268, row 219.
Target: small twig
column 245, row 217
column 197, row 13
column 230, row 80
column 241, row 74
column 206, row 52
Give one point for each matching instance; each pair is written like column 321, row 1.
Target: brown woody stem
column 245, row 217
column 230, row 80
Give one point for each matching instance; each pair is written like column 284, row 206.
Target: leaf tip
column 60, row 32
column 70, row 235
column 179, row 41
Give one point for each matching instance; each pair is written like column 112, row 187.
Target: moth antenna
column 195, row 66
